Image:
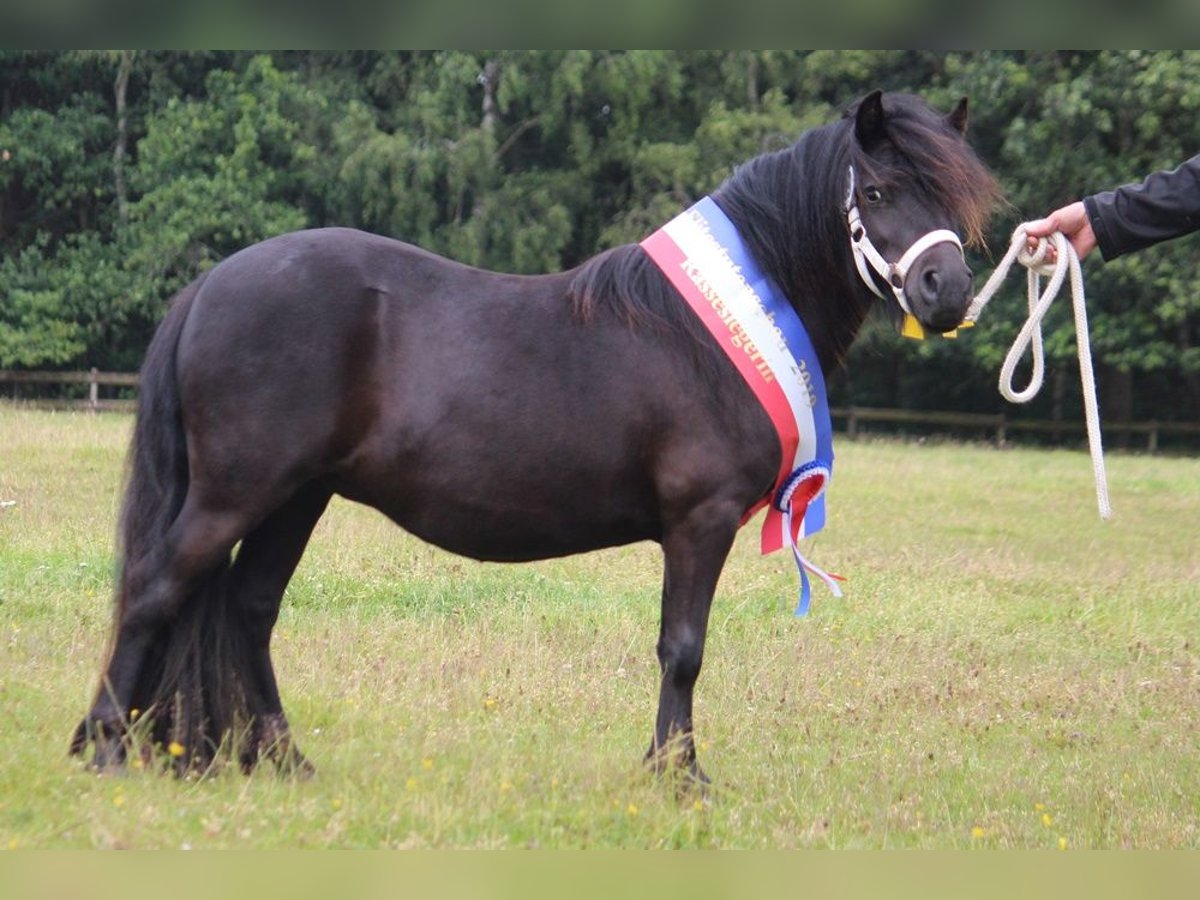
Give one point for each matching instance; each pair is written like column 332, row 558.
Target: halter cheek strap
column 866, row 254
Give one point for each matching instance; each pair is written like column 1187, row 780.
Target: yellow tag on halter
column 912, row 328
column 953, row 332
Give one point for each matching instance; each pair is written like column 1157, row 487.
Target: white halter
column 893, row 273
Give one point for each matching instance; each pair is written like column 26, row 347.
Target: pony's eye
column 872, row 194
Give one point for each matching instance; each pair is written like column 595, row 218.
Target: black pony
column 501, row 417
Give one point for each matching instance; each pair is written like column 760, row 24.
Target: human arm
column 1165, row 205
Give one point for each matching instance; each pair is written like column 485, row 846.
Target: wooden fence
column 999, row 425
column 996, row 425
column 93, row 379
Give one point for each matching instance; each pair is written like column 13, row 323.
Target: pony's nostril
column 930, row 281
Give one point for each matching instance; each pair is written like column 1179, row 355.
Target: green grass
column 1004, row 671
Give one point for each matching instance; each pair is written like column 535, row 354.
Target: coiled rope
column 1030, row 335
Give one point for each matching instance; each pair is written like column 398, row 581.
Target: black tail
column 158, row 464
column 188, row 686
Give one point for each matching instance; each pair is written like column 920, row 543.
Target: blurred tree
column 56, row 194
column 124, row 174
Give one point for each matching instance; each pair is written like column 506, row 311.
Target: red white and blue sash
column 704, row 257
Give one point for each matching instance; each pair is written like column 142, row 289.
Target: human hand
column 1072, row 221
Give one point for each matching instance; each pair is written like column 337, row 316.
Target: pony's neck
column 787, row 206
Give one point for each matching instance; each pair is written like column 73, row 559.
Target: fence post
column 1001, row 431
column 93, row 389
column 1152, row 440
column 851, row 424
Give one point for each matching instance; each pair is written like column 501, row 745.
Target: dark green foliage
column 115, row 190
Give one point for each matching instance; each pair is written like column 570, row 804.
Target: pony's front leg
column 694, row 551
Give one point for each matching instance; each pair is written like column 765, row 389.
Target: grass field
column 1004, row 671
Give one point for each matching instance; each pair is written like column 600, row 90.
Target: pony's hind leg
column 153, row 591
column 265, row 563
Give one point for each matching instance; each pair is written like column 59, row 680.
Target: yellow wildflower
column 977, row 832
column 175, row 749
column 1047, row 819
column 1062, row 842
column 427, row 764
column 631, row 809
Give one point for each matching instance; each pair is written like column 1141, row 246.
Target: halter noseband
column 893, row 273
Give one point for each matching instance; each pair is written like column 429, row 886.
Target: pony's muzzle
column 939, row 288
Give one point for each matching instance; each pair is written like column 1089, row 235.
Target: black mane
column 787, row 206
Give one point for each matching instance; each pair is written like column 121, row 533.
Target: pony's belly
column 488, row 521
column 516, row 542
column 493, row 535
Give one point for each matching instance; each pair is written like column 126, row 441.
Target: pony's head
column 914, row 187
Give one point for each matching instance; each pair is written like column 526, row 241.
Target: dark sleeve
column 1165, row 205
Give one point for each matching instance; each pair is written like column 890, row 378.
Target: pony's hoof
column 107, row 742
column 271, row 739
column 290, row 763
column 109, row 756
column 692, row 783
column 297, row 766
column 679, row 763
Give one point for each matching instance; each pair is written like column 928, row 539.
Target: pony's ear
column 958, row 117
column 868, row 120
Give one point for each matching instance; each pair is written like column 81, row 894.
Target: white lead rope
column 1030, row 334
